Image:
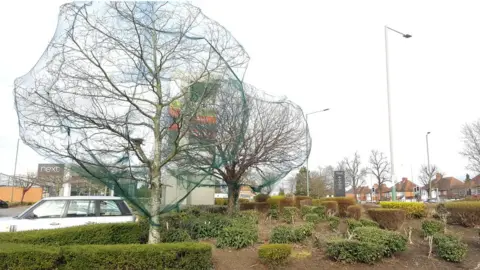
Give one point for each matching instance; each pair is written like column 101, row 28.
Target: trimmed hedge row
column 354, row 211
column 390, row 219
column 343, row 204
column 159, row 256
column 466, row 213
column 95, row 234
column 412, row 209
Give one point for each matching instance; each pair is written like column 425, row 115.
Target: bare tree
column 471, row 142
column 427, row 175
column 354, row 172
column 26, row 183
column 120, row 87
column 380, row 168
column 327, row 173
column 273, row 143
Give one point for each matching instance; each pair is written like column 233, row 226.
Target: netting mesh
column 148, row 98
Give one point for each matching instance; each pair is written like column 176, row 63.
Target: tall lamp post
column 428, row 166
column 308, row 154
column 390, row 133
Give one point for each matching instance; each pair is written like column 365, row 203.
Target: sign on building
column 339, row 183
column 50, row 170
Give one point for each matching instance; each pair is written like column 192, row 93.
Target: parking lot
column 11, row 212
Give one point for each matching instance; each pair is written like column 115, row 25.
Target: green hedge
column 288, row 234
column 466, row 213
column 354, row 211
column 391, row 219
column 95, row 234
column 343, row 204
column 159, row 256
column 350, row 251
column 237, row 237
column 432, row 227
column 450, row 248
column 412, row 209
column 274, row 254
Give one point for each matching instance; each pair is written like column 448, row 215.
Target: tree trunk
column 430, row 189
column 155, row 202
column 380, row 192
column 23, row 195
column 233, row 193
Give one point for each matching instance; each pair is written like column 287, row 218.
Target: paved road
column 11, row 212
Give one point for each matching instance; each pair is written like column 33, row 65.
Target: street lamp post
column 308, row 154
column 428, row 167
column 394, row 194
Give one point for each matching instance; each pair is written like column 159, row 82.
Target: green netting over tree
column 275, row 142
column 123, row 88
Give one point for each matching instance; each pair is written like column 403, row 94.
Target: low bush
column 450, row 248
column 391, row 242
column 261, row 197
column 274, row 254
column 350, row 251
column 175, row 235
column 289, row 214
column 307, row 209
column 242, row 200
column 320, row 211
column 334, row 222
column 95, row 234
column 466, row 213
column 284, row 234
column 221, row 201
column 330, row 206
column 206, row 226
column 237, row 237
column 390, row 219
column 354, row 211
column 314, row 218
column 298, row 199
column 353, row 224
column 247, row 206
column 306, row 202
column 247, row 217
column 412, row 209
column 368, row 206
column 262, row 207
column 368, row 223
column 316, row 202
column 273, row 213
column 286, row 202
column 201, row 209
column 343, row 204
column 194, row 256
column 432, row 227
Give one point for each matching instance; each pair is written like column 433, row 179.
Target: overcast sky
column 320, row 54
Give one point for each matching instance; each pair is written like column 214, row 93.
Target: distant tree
column 426, row 177
column 281, row 192
column 380, row 168
column 26, row 183
column 354, row 172
column 301, row 182
column 471, row 142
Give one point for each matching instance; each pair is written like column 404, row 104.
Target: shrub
column 160, row 256
column 242, row 200
column 274, row 254
column 314, row 218
column 320, row 211
column 273, row 213
column 330, row 206
column 221, row 201
column 262, row 207
column 246, row 218
column 353, row 224
column 207, row 226
column 368, row 206
column 343, row 203
column 261, row 198
column 333, row 222
column 307, row 209
column 354, row 211
column 351, row 251
column 368, row 223
column 390, row 219
column 202, row 209
column 300, row 198
column 175, row 235
column 247, row 206
column 431, row 227
column 284, row 234
column 450, row 248
column 95, row 234
column 288, row 214
column 286, row 202
column 306, row 202
column 465, row 213
column 412, row 209
column 316, row 202
column 274, row 202
column 391, row 242
column 237, row 237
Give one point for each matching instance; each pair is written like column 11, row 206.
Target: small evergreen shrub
column 262, row 198
column 450, row 248
column 303, row 231
column 320, row 211
column 390, row 219
column 273, row 213
column 331, row 206
column 175, row 235
column 334, row 222
column 354, row 211
column 237, row 237
column 391, row 242
column 353, row 224
column 284, row 234
column 274, row 254
column 313, row 218
column 289, row 214
column 350, row 251
column 343, row 204
column 368, row 223
column 432, row 227
column 307, row 209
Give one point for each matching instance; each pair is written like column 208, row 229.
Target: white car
column 61, row 212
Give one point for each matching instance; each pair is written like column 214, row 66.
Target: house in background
column 404, row 190
column 380, row 196
column 442, row 187
column 364, row 194
column 470, row 187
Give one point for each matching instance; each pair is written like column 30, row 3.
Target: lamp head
column 407, row 36
column 428, row 132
